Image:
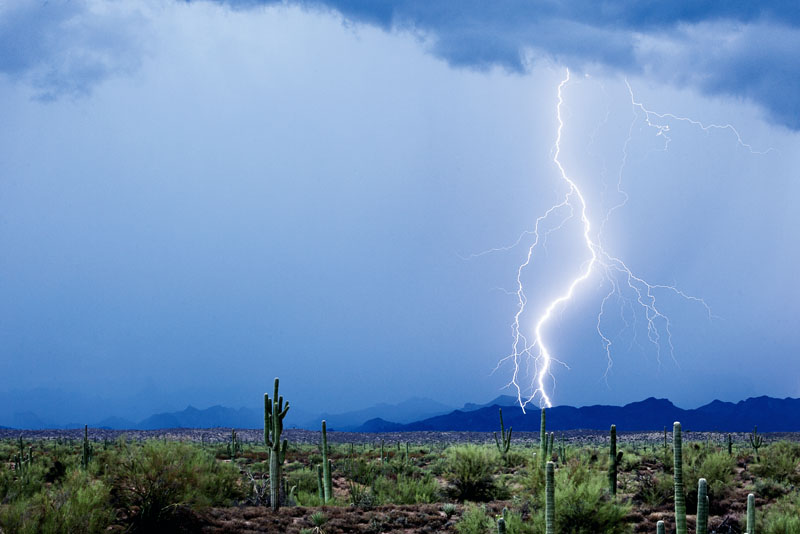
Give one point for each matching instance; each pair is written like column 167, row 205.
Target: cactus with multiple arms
column 614, row 459
column 755, row 441
column 680, row 498
column 702, row 507
column 274, row 412
column 506, row 438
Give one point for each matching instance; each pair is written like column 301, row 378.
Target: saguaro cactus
column 730, row 445
column 326, row 465
column 702, row 507
column 274, row 412
column 680, row 498
column 88, row 450
column 320, row 490
column 543, row 441
column 660, row 528
column 614, row 459
column 751, row 514
column 550, row 499
column 755, row 441
column 506, row 438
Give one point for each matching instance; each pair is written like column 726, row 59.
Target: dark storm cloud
column 739, row 49
column 67, row 47
column 731, row 48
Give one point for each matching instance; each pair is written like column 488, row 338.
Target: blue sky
column 197, row 197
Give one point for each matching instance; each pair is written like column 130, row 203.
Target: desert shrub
column 515, row 524
column 781, row 518
column 514, row 458
column 307, row 498
column 769, row 488
column 718, row 469
column 779, row 461
column 303, row 480
column 474, row 520
column 360, row 470
column 405, row 490
column 78, row 505
column 583, row 505
column 470, row 471
column 654, row 489
column 154, row 480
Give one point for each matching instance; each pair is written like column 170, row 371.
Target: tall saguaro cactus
column 614, row 459
column 702, row 507
column 751, row 514
column 550, row 499
column 326, row 465
column 543, row 441
column 274, row 412
column 505, row 444
column 680, row 498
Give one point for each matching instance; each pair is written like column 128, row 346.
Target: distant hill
column 771, row 415
column 408, row 411
column 502, row 400
column 215, row 416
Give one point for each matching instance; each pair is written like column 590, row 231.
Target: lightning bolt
column 622, row 281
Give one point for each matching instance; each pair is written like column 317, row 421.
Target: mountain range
column 770, row 414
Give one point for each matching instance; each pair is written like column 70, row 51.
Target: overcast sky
column 198, row 197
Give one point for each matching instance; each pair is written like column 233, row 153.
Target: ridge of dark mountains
column 408, row 411
column 502, row 400
column 215, row 416
column 770, row 414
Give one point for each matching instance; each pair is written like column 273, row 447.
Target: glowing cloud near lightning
column 531, row 348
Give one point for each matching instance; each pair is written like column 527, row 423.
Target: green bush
column 405, row 490
column 470, row 471
column 153, row 481
column 654, row 489
column 583, row 505
column 79, row 505
column 779, row 461
column 781, row 518
column 474, row 520
column 718, row 470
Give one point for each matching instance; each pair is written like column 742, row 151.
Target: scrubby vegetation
column 84, row 486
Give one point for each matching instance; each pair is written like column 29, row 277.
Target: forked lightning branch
column 533, row 354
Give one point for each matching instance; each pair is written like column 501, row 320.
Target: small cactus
column 751, row 514
column 326, row 465
column 550, row 499
column 755, row 441
column 543, row 441
column 730, row 445
column 506, row 439
column 614, row 459
column 660, row 528
column 88, row 450
column 702, row 507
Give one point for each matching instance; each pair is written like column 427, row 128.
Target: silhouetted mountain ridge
column 770, row 414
